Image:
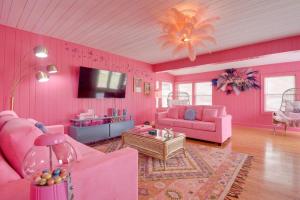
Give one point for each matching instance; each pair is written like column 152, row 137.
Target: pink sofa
column 95, row 175
column 206, row 126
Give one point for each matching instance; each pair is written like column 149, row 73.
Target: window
column 166, row 88
column 203, row 93
column 157, row 85
column 186, row 87
column 274, row 88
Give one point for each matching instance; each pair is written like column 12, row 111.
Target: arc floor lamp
column 40, row 75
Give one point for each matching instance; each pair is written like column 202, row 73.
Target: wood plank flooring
column 275, row 172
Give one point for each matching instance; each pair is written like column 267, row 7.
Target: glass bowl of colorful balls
column 48, row 167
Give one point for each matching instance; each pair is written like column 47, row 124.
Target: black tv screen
column 95, row 83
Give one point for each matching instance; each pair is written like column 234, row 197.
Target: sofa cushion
column 205, row 126
column 172, row 113
column 221, row 109
column 199, row 114
column 16, row 139
column 209, row 115
column 183, row 123
column 190, row 114
column 181, row 111
column 7, row 173
column 166, row 121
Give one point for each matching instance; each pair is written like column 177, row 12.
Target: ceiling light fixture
column 187, row 27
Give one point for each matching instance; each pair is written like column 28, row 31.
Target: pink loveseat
column 95, row 175
column 212, row 123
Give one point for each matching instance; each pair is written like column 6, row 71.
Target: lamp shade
column 41, row 76
column 40, row 51
column 52, row 69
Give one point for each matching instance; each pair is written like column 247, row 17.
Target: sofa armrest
column 56, row 128
column 8, row 190
column 223, row 127
column 111, row 176
column 160, row 115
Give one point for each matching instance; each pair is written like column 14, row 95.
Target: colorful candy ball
column 43, row 181
column 56, row 172
column 46, row 175
column 37, row 179
column 50, row 181
column 57, row 179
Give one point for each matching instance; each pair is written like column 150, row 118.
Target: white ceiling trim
column 285, row 57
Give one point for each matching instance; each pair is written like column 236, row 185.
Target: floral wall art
column 236, row 81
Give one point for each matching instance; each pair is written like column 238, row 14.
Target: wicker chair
column 289, row 112
column 178, row 98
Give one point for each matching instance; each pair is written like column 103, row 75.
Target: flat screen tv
column 95, row 83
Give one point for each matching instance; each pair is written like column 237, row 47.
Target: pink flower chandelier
column 186, row 27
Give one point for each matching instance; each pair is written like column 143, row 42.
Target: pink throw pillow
column 181, row 111
column 209, row 115
column 7, row 173
column 199, row 113
column 173, row 113
column 16, row 139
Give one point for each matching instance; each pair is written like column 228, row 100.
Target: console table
column 94, row 133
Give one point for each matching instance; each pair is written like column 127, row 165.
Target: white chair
column 289, row 112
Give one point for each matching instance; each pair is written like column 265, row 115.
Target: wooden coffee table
column 157, row 146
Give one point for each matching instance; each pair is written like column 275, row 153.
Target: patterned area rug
column 204, row 173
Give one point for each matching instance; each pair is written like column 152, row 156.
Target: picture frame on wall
column 147, row 88
column 137, row 85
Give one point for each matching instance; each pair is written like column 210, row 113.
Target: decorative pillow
column 199, row 113
column 16, row 138
column 209, row 115
column 173, row 113
column 296, row 107
column 41, row 126
column 7, row 173
column 181, row 111
column 190, row 114
column 289, row 106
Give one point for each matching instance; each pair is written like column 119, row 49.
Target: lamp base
column 11, row 103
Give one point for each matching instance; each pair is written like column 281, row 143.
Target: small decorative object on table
column 169, row 134
column 124, row 114
column 48, row 173
column 152, row 132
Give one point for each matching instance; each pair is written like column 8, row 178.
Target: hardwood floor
column 275, row 171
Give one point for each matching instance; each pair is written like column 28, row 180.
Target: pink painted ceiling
column 129, row 27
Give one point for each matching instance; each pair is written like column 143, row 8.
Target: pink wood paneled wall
column 164, row 77
column 55, row 101
column 247, row 108
column 235, row 54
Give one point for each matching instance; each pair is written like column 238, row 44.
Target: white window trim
column 265, row 87
column 165, row 96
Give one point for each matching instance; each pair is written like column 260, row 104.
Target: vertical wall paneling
column 56, row 101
